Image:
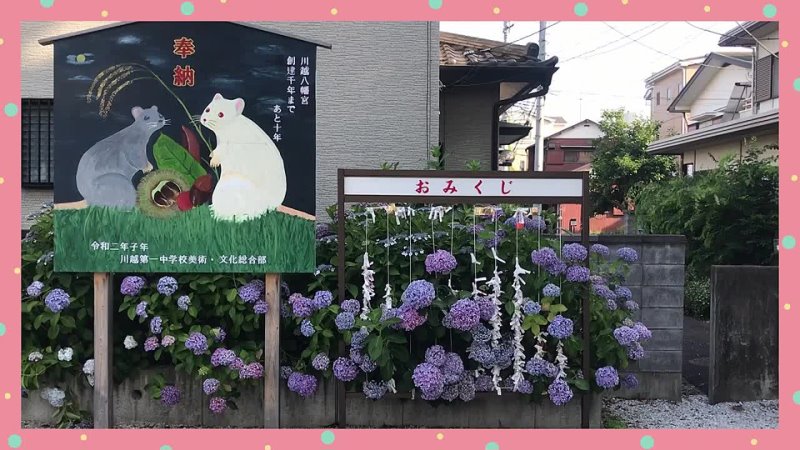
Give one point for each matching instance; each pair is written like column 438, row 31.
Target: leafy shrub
column 697, row 296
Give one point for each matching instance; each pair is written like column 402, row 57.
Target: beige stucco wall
column 671, row 123
column 704, row 156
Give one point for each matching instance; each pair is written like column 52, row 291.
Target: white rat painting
column 252, row 179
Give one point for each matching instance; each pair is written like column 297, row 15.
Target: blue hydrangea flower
column 486, row 307
column 197, row 343
column 551, row 290
column 604, row 292
column 503, row 354
column 628, row 255
column 374, row 390
column 636, row 351
column 57, row 300
column 418, row 294
column 626, row 336
column 345, row 320
column 167, row 285
column 344, row 369
column 358, row 338
column 560, row 327
column 440, row 262
column 600, row 249
column 483, row 383
column 524, row 387
column 530, row 307
column 351, row 305
column 320, row 362
column 210, row 385
column 482, row 353
column 35, row 289
column 547, row 259
column 285, row 372
column 537, row 366
column 132, row 285
column 606, row 377
column 464, row 315
column 480, row 334
column 367, row 365
column 302, row 384
column 559, row 392
column 449, row 392
column 322, row 299
column 184, row 302
column 261, row 307
column 170, row 395
column 466, row 387
column 141, row 310
column 307, row 328
column 629, row 381
column 252, row 291
column 631, row 305
column 155, row 325
column 574, row 252
column 643, row 332
column 453, row 368
column 577, row 274
column 435, row 355
column 623, row 292
column 302, row 307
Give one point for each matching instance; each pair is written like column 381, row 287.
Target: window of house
column 577, row 156
column 658, row 98
column 766, row 78
column 775, row 82
column 688, row 169
column 37, row 142
column 669, row 94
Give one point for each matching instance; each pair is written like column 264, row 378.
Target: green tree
column 621, row 165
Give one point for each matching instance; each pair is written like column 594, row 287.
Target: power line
column 723, row 34
column 522, row 38
column 757, row 41
column 613, row 42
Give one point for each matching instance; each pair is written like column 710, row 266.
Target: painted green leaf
column 170, row 155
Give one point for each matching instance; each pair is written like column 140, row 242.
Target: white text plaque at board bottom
column 463, row 187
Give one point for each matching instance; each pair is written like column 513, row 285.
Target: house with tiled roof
column 480, row 79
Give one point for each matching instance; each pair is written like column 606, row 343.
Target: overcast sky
column 613, row 75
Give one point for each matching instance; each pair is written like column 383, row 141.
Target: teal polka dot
column 46, row 3
column 770, row 10
column 797, row 84
column 11, row 109
column 796, row 397
column 647, row 442
column 187, row 8
column 166, row 447
column 435, row 4
column 2, row 329
column 492, row 446
column 581, row 9
column 327, row 437
column 14, row 441
column 788, row 242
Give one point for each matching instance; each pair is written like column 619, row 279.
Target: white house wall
column 718, row 91
column 377, row 101
column 582, row 132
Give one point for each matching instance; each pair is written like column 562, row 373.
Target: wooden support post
column 103, row 350
column 272, row 356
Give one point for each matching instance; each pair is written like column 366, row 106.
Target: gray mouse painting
column 105, row 172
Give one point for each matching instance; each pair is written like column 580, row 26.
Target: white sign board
column 463, row 187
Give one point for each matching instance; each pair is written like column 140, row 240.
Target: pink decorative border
column 16, row 11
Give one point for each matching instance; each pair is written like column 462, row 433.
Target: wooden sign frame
column 529, row 195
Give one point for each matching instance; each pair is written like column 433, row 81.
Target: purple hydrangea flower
column 217, row 405
column 222, row 357
column 547, row 259
column 574, row 252
column 132, row 285
column 560, row 327
column 411, row 319
column 551, row 290
column 487, row 308
column 167, row 340
column 306, row 328
column 345, row 320
column 606, row 377
column 197, row 343
column 494, row 241
column 611, row 305
column 374, row 390
column 167, row 285
column 155, row 325
column 453, row 368
column 466, row 387
column 597, row 279
column 559, row 392
column 237, row 364
column 57, row 300
column 356, row 355
column 323, row 230
column 150, row 344
column 623, row 292
column 626, row 336
column 524, row 387
column 643, row 332
column 464, row 315
column 302, row 384
column 367, row 365
column 435, row 355
column 302, row 307
column 252, row 291
column 35, row 289
column 210, row 385
column 535, row 223
column 539, row 366
column 351, row 305
column 628, row 255
column 604, row 292
column 358, row 338
column 432, row 394
column 251, row 371
column 599, row 249
column 322, row 299
column 577, row 274
column 530, row 307
column 629, row 381
column 474, row 229
column 170, row 395
column 344, row 369
column 285, row 372
column 481, row 334
column 482, row 353
column 260, row 307
column 503, row 354
column 441, row 262
column 320, row 362
column 184, row 302
column 418, row 294
column 141, row 310
column 429, row 379
column 449, row 392
column 636, row 351
column 483, row 383
column 631, row 305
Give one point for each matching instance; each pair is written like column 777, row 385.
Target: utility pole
column 539, row 146
column 506, row 29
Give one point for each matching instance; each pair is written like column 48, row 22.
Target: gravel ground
column 693, row 412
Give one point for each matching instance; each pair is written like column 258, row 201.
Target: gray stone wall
column 743, row 356
column 378, row 93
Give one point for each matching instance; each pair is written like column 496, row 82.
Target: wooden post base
column 103, row 350
column 272, row 357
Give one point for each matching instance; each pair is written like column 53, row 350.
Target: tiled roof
column 461, row 50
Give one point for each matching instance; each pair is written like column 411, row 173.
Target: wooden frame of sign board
column 392, row 186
